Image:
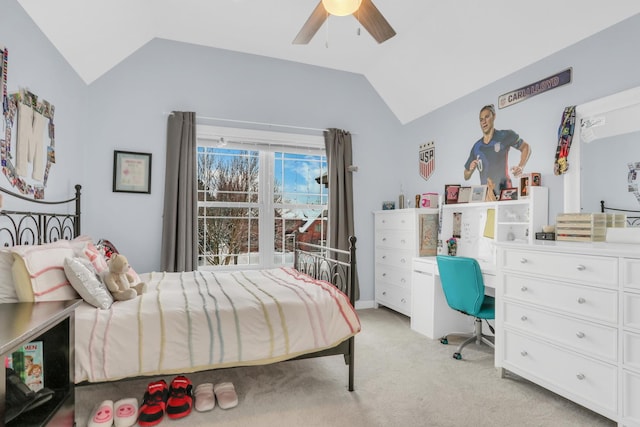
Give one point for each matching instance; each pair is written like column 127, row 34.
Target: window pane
column 310, row 226
column 300, row 179
column 227, row 175
column 227, row 236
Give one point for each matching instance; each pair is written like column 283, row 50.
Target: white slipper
column 102, row 415
column 205, row 399
column 226, row 395
column 125, row 412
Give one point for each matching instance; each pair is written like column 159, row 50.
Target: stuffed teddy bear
column 119, row 281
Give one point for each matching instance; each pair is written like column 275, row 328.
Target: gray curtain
column 179, row 221
column 339, row 158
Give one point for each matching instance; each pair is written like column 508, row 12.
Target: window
column 255, row 189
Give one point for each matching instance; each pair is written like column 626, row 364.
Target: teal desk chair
column 463, row 289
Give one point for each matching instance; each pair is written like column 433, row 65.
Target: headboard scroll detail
column 32, row 227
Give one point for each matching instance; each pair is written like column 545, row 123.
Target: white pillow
column 7, row 288
column 38, row 271
column 85, row 281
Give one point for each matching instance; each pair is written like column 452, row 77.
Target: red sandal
column 180, row 399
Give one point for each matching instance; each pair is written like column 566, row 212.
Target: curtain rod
column 246, row 122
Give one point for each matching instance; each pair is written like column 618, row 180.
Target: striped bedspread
column 187, row 322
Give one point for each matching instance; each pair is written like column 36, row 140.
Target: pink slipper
column 205, row 399
column 102, row 415
column 226, row 395
column 125, row 412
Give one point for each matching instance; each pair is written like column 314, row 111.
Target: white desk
column 430, row 313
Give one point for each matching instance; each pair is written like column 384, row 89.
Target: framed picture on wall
column 131, row 172
column 478, row 193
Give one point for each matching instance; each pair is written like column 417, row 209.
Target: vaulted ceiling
column 443, row 49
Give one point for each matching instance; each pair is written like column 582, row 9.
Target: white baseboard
column 365, row 304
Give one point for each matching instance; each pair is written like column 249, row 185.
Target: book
column 28, row 363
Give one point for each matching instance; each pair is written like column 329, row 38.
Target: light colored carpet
column 402, row 379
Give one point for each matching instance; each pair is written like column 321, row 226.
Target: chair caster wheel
column 457, row 356
column 444, row 341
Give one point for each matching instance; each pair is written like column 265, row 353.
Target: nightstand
column 52, row 323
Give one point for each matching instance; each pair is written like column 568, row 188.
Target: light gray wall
column 35, row 64
column 126, row 110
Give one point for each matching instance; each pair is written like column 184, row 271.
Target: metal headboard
column 35, row 228
column 632, row 221
column 335, row 266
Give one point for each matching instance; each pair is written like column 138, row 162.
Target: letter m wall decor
column 427, row 159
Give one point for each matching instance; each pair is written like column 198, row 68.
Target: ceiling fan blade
column 313, row 24
column 373, row 21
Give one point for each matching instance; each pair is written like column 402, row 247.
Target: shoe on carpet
column 226, row 395
column 180, row 399
column 102, row 415
column 125, row 412
column 154, row 404
column 205, row 399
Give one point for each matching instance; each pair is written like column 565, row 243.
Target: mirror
column 606, row 127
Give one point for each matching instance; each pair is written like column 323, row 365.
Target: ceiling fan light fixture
column 341, row 7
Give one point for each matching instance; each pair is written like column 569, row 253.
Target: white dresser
column 396, row 244
column 568, row 318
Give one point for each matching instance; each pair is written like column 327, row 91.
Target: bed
column 631, row 217
column 185, row 321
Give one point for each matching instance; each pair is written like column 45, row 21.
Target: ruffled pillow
column 85, row 281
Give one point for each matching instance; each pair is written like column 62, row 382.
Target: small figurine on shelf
column 452, row 246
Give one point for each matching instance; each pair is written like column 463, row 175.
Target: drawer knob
column 384, row 239
column 523, row 318
column 402, row 260
column 384, row 257
column 523, row 353
column 403, row 241
column 384, row 221
column 580, row 334
column 384, row 274
column 403, row 280
column 524, row 289
column 580, row 376
column 581, row 300
column 384, row 292
column 581, row 267
column 403, row 300
column 523, row 260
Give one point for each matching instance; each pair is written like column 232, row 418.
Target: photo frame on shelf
column 478, row 193
column 464, row 195
column 388, row 205
column 524, row 187
column 131, row 172
column 509, row 194
column 451, row 194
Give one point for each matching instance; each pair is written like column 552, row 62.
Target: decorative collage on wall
column 31, row 119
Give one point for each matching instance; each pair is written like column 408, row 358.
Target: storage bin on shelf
column 586, row 227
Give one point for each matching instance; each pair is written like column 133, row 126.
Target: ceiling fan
column 364, row 10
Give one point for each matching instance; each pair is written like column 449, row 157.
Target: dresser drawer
column 394, row 297
column 591, row 303
column 396, row 276
column 395, row 220
column 396, row 239
column 631, row 310
column 590, row 338
column 581, row 268
column 631, row 273
column 631, row 393
column 394, row 257
column 631, row 350
column 594, row 382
